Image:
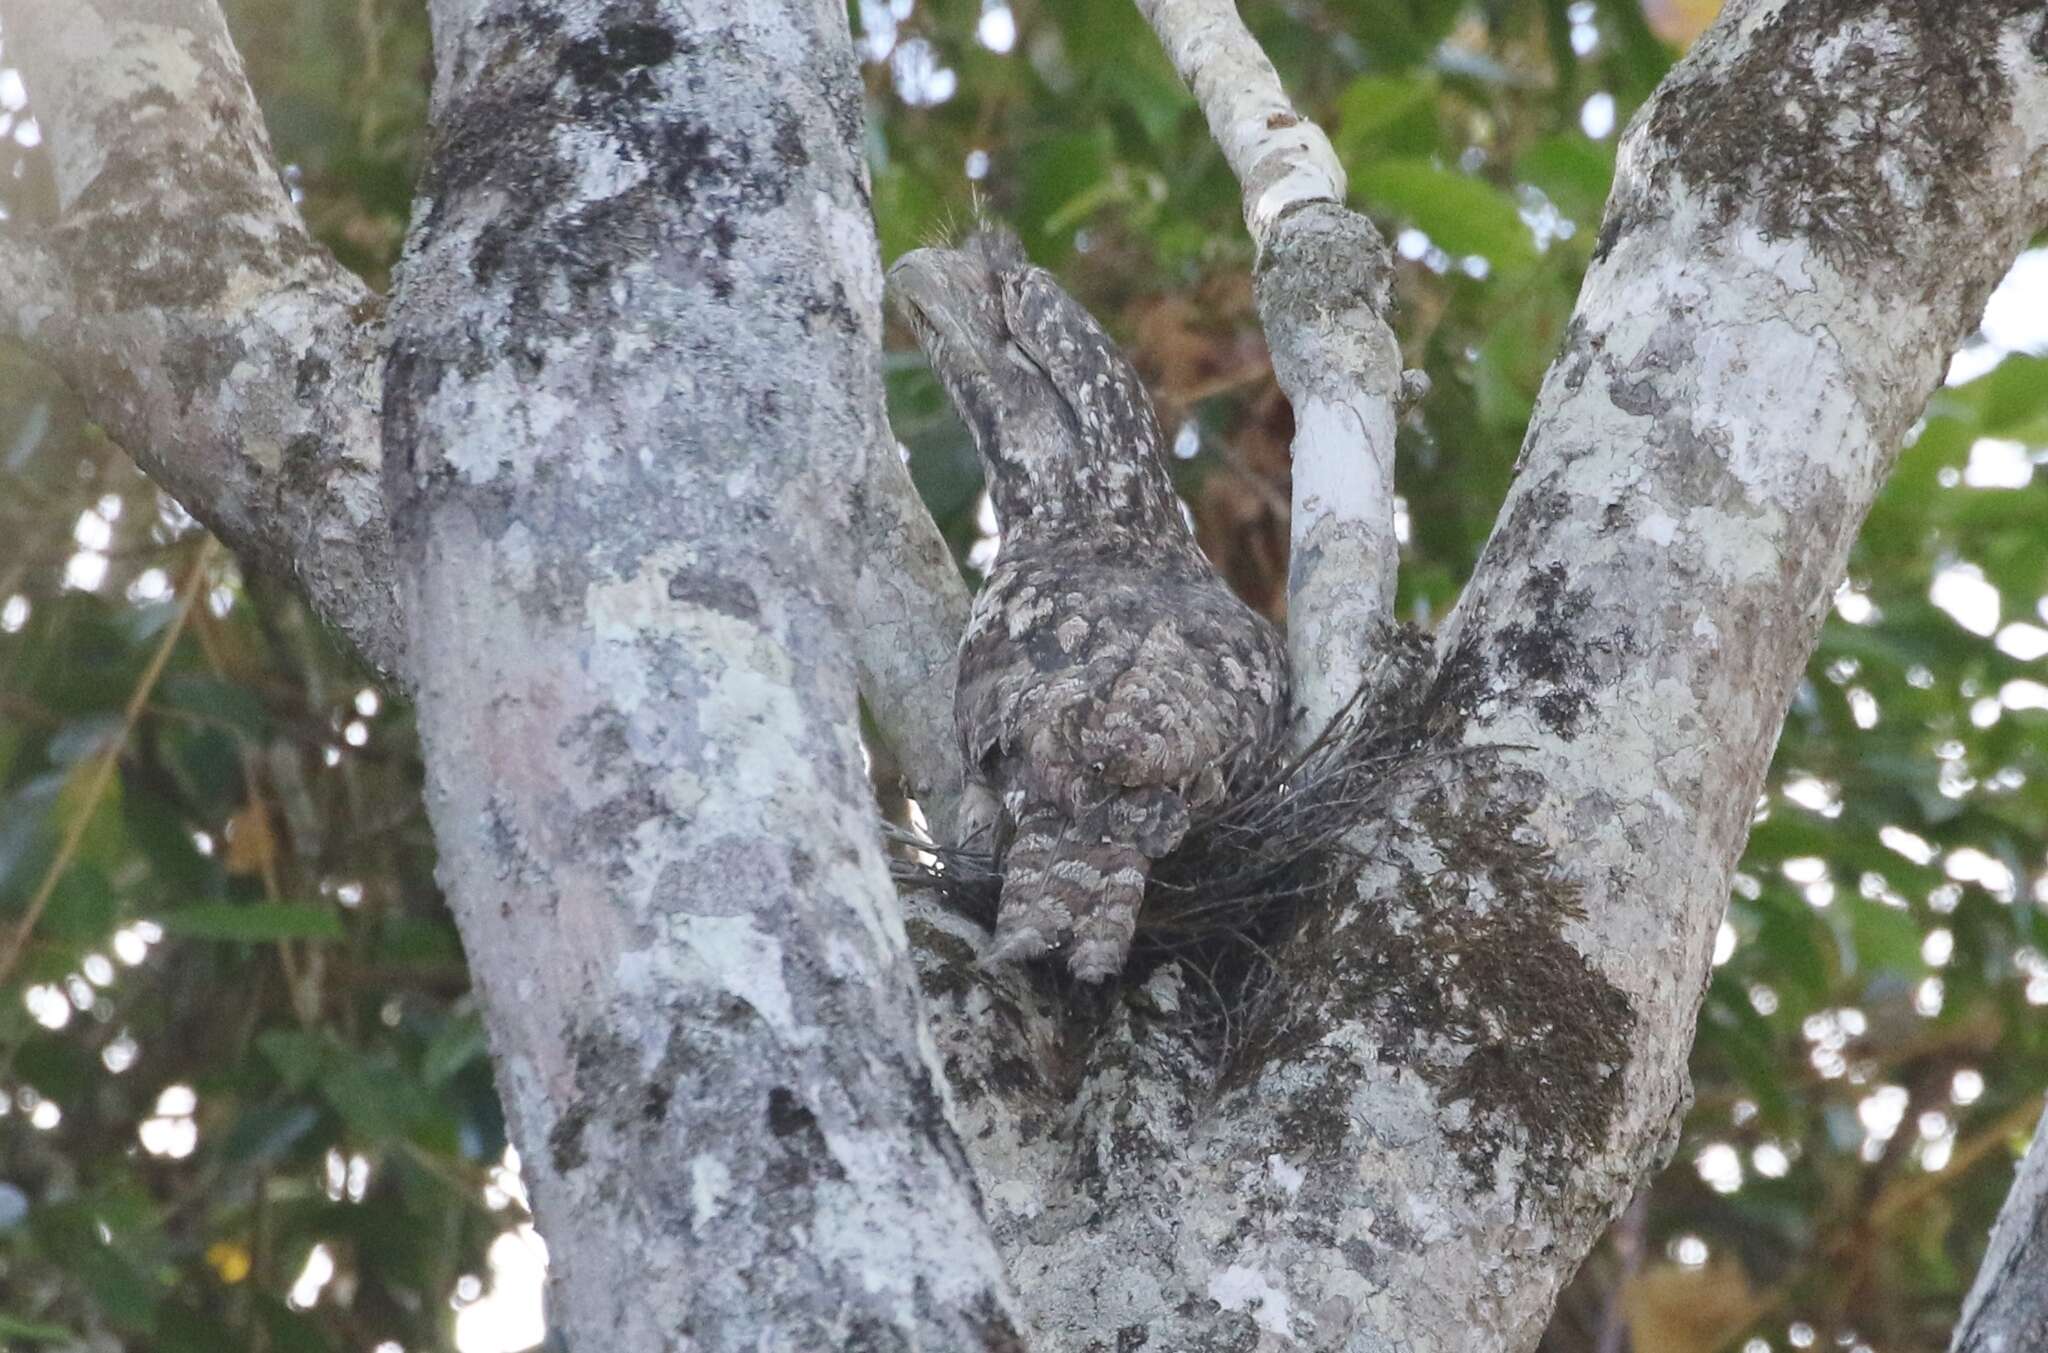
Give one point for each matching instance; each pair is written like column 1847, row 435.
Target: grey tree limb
column 1324, row 292
column 634, row 370
column 180, row 295
column 1473, row 1061
column 2006, row 1310
column 907, row 608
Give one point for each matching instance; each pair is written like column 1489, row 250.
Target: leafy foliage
column 240, row 1028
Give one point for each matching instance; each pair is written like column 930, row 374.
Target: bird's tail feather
column 1114, row 874
column 1031, row 915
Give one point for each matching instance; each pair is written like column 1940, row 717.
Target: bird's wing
column 1083, row 688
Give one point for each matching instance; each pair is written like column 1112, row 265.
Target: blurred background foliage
column 244, row 1098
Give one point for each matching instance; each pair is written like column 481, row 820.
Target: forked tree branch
column 180, row 295
column 1472, row 1059
column 1324, row 294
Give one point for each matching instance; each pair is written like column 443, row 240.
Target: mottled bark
column 625, row 540
column 1475, row 1060
column 181, row 296
column 909, row 605
column 634, row 369
column 2007, row 1308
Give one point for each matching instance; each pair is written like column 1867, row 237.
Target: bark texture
column 634, row 367
column 2007, row 1309
column 1475, row 1060
column 180, row 295
column 620, row 595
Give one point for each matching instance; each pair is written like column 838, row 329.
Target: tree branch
column 1324, row 295
column 179, row 294
column 2007, row 1308
column 635, row 418
column 1471, row 1062
column 907, row 609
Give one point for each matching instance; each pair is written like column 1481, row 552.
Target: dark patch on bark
column 789, row 140
column 728, row 596
column 610, row 1089
column 301, row 466
column 502, row 139
column 1222, row 1331
column 1549, row 1034
column 310, row 375
column 867, row 1334
column 1543, row 658
column 928, row 1117
column 946, row 962
column 1549, row 650
column 565, row 1139
column 616, row 61
column 1761, row 135
column 598, row 740
column 199, row 366
column 654, row 1101
column 786, row 1114
column 1622, row 217
column 1472, row 953
column 158, row 230
column 807, row 1157
column 1578, row 352
column 833, row 307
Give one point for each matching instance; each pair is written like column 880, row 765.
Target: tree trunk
column 2007, row 1309
column 606, row 482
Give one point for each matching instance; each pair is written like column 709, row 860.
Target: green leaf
column 1148, row 87
column 218, row 702
column 2016, row 398
column 1056, row 172
column 70, row 1235
column 82, row 908
column 1641, row 58
column 1788, row 936
column 83, row 739
column 460, row 1041
column 297, row 1055
column 105, row 838
column 266, row 1134
column 1886, row 939
column 374, row 1096
column 13, row 1328
column 1462, row 215
column 1381, row 114
column 1573, row 171
column 252, row 923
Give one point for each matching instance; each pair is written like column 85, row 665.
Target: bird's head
column 1062, row 423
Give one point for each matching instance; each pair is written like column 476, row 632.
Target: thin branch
column 1324, row 290
column 108, row 757
column 909, row 608
column 1281, row 158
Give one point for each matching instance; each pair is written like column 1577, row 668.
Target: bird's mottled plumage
column 1110, row 684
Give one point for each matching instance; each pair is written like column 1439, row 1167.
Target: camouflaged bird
column 1111, row 684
